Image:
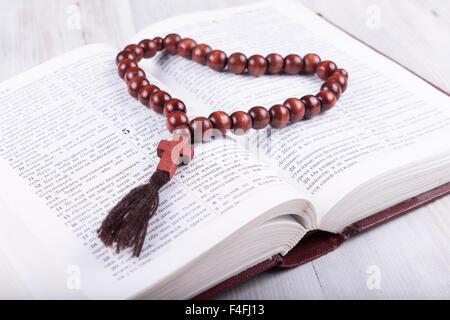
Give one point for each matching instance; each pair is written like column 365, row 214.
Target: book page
column 72, row 143
column 386, row 115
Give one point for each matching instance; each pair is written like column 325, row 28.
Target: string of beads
column 258, row 117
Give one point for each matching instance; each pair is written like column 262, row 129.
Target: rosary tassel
column 126, row 224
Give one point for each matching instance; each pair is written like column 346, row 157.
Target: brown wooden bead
column 333, row 86
column 124, row 65
column 174, row 105
column 136, row 49
column 122, row 55
column 145, row 94
column 241, row 122
column 185, row 46
column 217, row 60
column 237, row 63
column 279, row 116
column 296, row 109
column 201, row 129
column 327, row 99
column 149, row 46
column 158, row 99
column 170, row 43
column 312, row 106
column 135, row 84
column 176, row 119
column 159, row 43
column 256, row 65
column 293, row 64
column 342, row 80
column 260, row 117
column 220, row 121
column 311, row 61
column 325, row 69
column 342, row 72
column 183, row 130
column 133, row 73
column 200, row 52
column 274, row 63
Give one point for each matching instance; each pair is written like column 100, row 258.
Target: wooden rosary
column 126, row 224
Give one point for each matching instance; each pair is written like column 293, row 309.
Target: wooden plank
column 414, row 33
column 35, row 31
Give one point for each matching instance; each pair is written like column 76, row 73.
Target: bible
column 73, row 142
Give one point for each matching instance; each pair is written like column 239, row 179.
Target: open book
column 73, row 142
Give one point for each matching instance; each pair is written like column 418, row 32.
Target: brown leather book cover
column 318, row 243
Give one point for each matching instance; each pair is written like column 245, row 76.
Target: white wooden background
column 409, row 254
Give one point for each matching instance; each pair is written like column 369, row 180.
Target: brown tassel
column 126, row 224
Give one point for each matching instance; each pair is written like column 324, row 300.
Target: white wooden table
column 410, row 255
